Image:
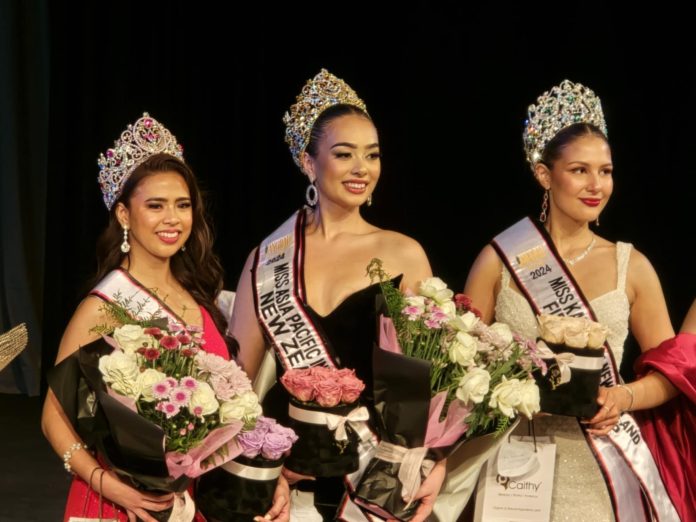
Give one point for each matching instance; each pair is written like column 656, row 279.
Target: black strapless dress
column 350, row 331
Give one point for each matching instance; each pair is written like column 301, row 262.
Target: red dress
column 669, row 429
column 83, row 501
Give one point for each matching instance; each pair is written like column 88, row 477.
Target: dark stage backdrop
column 447, row 86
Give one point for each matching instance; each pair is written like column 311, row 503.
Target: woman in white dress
column 570, row 157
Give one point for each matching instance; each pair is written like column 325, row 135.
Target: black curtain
column 24, row 84
column 447, row 85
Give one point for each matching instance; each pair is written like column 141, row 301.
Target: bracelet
column 69, row 453
column 630, row 392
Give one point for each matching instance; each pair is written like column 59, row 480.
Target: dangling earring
column 311, row 194
column 597, row 221
column 183, row 248
column 125, row 246
column 369, row 200
column 544, row 207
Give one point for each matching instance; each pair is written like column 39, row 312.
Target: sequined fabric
column 579, row 491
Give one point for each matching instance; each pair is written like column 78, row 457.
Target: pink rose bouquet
column 325, row 413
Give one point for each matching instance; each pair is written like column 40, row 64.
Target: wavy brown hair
column 198, row 268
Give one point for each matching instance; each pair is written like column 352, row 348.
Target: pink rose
column 352, row 388
column 321, row 373
column 299, row 384
column 328, row 393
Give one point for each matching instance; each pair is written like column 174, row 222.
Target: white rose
column 464, row 322
column 250, row 401
column 463, row 349
column 474, row 386
column 436, row 289
column 577, row 336
column 529, row 398
column 231, row 411
column 449, row 309
column 204, row 396
column 417, row 301
column 551, row 328
column 506, row 396
column 597, row 335
column 145, row 381
column 243, row 406
column 121, row 371
column 503, row 332
column 130, row 337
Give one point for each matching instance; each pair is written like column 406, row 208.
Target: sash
column 279, row 297
column 279, row 300
column 119, row 287
column 633, row 480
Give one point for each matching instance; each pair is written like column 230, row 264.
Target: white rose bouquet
column 441, row 377
column 572, row 348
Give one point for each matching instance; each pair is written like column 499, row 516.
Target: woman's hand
column 280, row 511
column 429, row 490
column 613, row 401
column 293, row 477
column 136, row 503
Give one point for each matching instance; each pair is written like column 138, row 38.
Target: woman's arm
column 650, row 325
column 482, row 281
column 244, row 325
column 689, row 325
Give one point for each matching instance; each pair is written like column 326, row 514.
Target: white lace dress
column 579, row 492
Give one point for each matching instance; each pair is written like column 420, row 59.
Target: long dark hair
column 565, row 137
column 326, row 117
column 198, row 268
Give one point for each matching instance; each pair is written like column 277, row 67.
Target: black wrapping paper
column 223, row 496
column 317, row 452
column 577, row 398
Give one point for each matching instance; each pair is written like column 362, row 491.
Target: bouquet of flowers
column 572, row 348
column 441, row 376
column 159, row 410
column 324, row 413
column 244, row 487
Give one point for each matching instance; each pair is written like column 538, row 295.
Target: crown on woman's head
column 318, row 94
column 144, row 138
column 561, row 107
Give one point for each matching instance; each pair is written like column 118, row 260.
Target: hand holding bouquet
column 441, row 377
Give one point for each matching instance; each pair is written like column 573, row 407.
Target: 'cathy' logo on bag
column 514, row 484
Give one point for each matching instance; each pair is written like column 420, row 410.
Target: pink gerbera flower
column 161, row 389
column 168, row 408
column 170, row 342
column 184, row 338
column 189, row 383
column 151, row 354
column 180, row 396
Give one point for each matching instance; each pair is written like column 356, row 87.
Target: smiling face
column 159, row 215
column 346, row 163
column 579, row 179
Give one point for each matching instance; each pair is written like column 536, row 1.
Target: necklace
column 582, row 254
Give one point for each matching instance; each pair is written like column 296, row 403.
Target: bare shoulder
column 485, row 271
column 80, row 330
column 402, row 254
column 641, row 277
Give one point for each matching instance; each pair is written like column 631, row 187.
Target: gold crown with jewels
column 318, row 94
column 141, row 140
column 561, row 107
